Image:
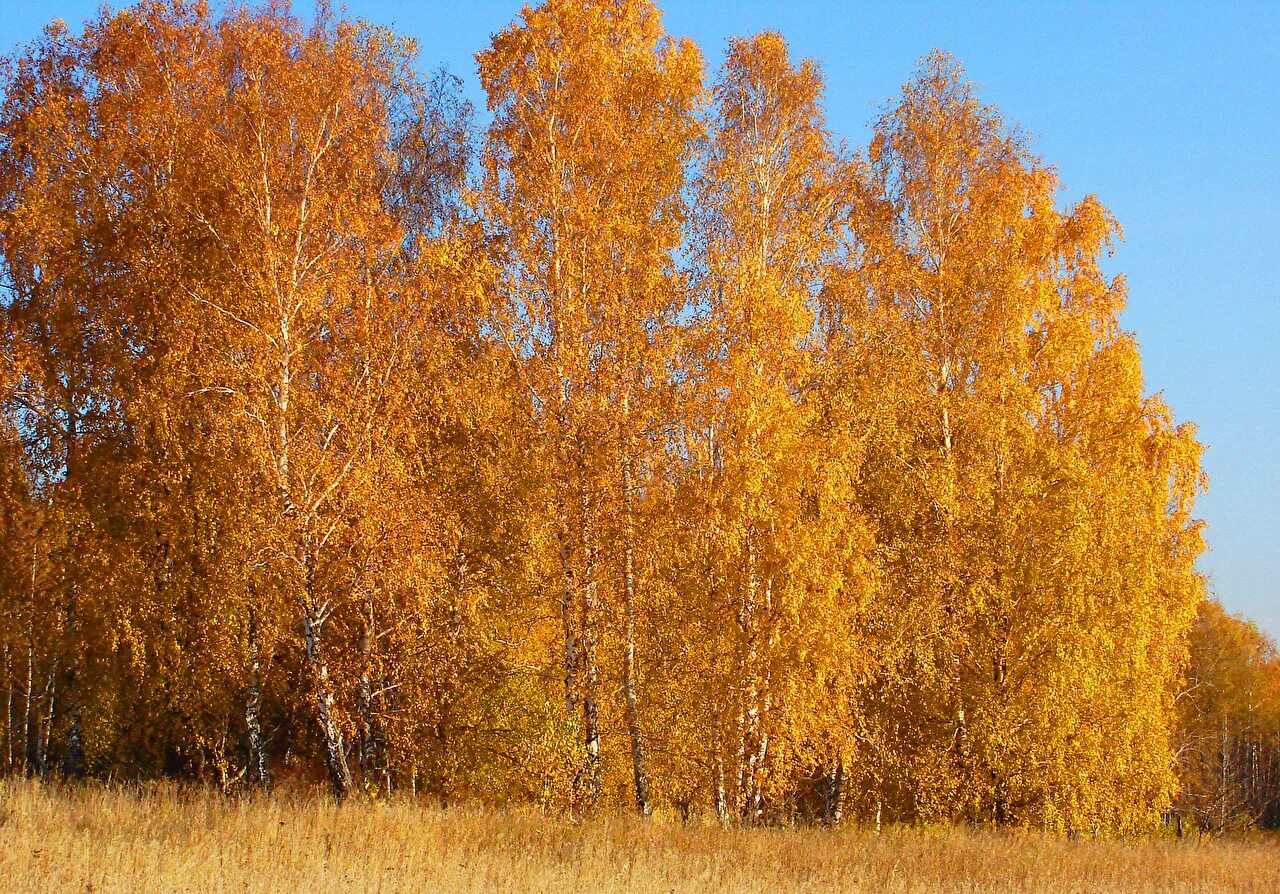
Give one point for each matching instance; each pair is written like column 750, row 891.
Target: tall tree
column 785, row 540
column 584, row 166
column 1019, row 423
column 306, row 323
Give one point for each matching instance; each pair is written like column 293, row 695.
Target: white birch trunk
column 326, row 716
column 639, row 770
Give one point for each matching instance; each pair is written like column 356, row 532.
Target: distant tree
column 1229, row 726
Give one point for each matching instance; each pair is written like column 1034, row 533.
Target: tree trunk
column 589, row 776
column 334, row 748
column 961, row 721
column 766, row 706
column 753, row 746
column 629, row 650
column 73, row 760
column 749, row 710
column 566, row 619
column 257, row 769
column 371, row 738
column 590, row 708
column 30, row 736
column 833, row 809
column 719, row 795
column 51, row 700
column 756, row 760
column 30, row 723
column 8, row 712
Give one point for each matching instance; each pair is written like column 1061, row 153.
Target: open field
column 171, row 840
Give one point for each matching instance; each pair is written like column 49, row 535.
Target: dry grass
column 170, row 840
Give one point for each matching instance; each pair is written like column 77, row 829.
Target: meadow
column 168, row 839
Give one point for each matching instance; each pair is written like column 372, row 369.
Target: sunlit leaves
column 657, row 450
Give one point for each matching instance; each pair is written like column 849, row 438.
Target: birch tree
column 583, row 169
column 786, row 539
column 305, row 326
column 1020, row 423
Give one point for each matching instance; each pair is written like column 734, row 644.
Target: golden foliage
column 653, row 449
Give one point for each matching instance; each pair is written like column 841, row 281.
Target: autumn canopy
column 643, row 445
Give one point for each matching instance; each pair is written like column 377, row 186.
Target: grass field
column 169, row 840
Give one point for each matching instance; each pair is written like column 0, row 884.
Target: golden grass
column 169, row 840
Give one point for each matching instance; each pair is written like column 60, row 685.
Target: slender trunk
column 371, row 739
column 1224, row 762
column 749, row 711
column 588, row 780
column 368, row 723
column 961, row 720
column 334, row 748
column 740, row 776
column 756, row 760
column 629, row 650
column 719, row 795
column 442, row 749
column 833, row 808
column 73, row 760
column 257, row 770
column 590, row 707
column 30, row 739
column 50, row 699
column 569, row 590
column 8, row 711
column 219, row 757
column 566, row 619
column 766, row 705
column 753, row 744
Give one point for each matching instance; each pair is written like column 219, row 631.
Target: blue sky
column 1170, row 112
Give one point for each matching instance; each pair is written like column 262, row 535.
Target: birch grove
column 633, row 443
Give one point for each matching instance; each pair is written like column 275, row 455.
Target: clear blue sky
column 1169, row 112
